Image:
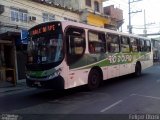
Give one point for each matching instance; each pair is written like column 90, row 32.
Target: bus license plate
column 37, row 83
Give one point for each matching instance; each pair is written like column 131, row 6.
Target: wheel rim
column 95, row 79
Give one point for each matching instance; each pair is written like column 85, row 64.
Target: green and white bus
column 65, row 54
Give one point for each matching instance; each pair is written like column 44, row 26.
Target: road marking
column 157, row 98
column 111, row 106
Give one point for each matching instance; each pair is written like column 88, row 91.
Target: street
column 119, row 96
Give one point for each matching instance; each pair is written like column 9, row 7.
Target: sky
column 152, row 13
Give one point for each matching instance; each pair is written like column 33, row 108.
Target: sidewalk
column 8, row 87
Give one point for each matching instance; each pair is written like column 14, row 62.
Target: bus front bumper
column 55, row 83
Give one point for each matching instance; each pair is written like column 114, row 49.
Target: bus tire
column 138, row 70
column 94, row 79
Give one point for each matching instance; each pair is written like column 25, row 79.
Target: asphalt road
column 122, row 97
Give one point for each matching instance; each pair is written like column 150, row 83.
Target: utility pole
column 129, row 13
column 145, row 25
column 145, row 28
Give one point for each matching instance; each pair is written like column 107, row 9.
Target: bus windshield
column 45, row 47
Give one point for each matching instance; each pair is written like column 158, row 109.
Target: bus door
column 75, row 48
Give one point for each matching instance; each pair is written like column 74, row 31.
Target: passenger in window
column 91, row 48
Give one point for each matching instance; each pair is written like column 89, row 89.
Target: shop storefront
column 12, row 64
column 7, row 58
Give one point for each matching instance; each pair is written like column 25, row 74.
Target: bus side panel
column 113, row 71
column 77, row 78
column 126, row 69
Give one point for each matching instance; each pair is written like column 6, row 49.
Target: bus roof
column 91, row 27
column 67, row 23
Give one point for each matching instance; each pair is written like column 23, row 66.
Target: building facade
column 116, row 16
column 91, row 11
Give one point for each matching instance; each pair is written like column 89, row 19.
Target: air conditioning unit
column 1, row 9
column 32, row 18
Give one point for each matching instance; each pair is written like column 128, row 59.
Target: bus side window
column 125, row 45
column 97, row 42
column 142, row 45
column 113, row 43
column 147, row 46
column 133, row 44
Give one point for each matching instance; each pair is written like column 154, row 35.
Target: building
column 17, row 16
column 91, row 11
column 116, row 16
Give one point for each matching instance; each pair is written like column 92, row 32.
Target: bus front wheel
column 94, row 79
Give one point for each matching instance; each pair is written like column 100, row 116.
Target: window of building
column 23, row 17
column 88, row 3
column 19, row 15
column 125, row 47
column 96, row 6
column 48, row 17
column 134, row 45
column 97, row 42
column 75, row 38
column 113, row 43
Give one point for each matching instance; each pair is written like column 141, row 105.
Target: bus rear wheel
column 138, row 70
column 94, row 79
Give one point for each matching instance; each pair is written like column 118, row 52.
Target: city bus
column 65, row 54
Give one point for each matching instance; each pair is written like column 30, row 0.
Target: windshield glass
column 45, row 48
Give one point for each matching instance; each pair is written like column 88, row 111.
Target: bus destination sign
column 42, row 29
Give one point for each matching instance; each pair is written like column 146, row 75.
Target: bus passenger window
column 125, row 47
column 97, row 42
column 112, row 43
column 141, row 45
column 134, row 45
column 147, row 46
